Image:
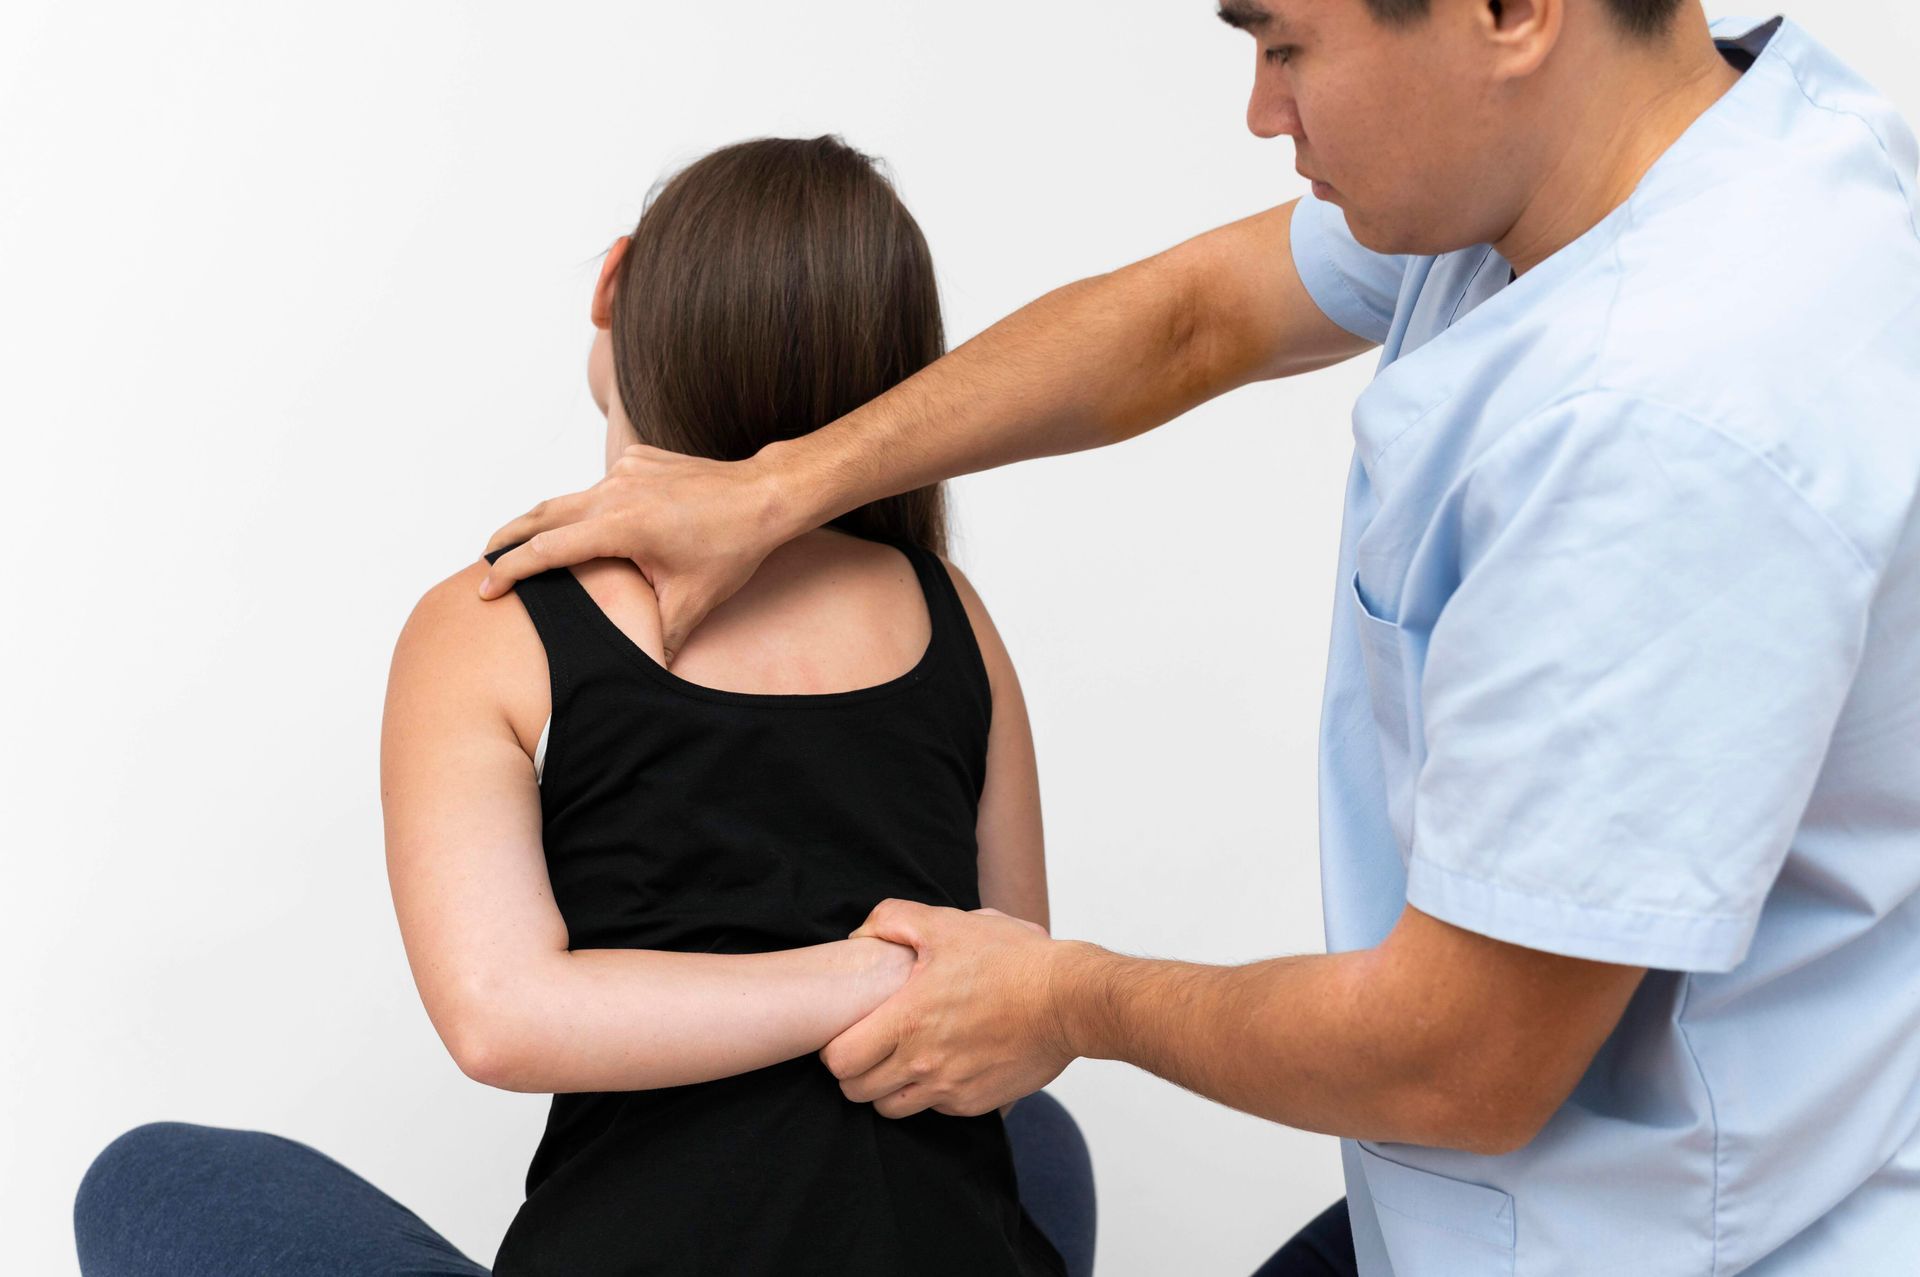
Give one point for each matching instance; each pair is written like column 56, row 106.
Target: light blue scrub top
column 1626, row 665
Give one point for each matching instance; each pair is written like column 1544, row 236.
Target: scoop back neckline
column 609, row 630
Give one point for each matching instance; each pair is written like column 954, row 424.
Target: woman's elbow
column 477, row 1051
column 496, row 1062
column 483, row 1040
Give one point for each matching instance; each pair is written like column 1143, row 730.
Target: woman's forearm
column 635, row 1019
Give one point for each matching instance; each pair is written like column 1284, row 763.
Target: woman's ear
column 602, row 312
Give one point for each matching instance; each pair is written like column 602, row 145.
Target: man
column 1620, row 750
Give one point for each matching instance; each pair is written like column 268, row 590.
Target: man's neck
column 1620, row 138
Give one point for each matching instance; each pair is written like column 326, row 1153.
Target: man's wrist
column 793, row 496
column 1080, row 987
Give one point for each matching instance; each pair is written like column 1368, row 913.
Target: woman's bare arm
column 1012, row 858
column 1013, row 862
column 487, row 944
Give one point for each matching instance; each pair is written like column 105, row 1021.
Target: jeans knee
column 127, row 1161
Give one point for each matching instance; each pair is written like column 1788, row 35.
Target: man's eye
column 1280, row 55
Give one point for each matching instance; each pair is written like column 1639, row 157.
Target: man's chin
column 1404, row 235
column 1385, row 238
column 1368, row 233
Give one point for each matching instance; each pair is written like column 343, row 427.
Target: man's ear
column 1521, row 32
column 603, row 288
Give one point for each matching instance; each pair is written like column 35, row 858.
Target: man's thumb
column 678, row 616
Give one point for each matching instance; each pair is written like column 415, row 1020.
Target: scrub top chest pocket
column 1389, row 653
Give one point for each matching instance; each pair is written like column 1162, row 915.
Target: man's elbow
column 1484, row 1115
column 1495, row 1134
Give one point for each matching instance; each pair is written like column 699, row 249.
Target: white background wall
column 293, row 314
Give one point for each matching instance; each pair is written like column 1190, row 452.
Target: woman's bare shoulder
column 451, row 617
column 482, row 648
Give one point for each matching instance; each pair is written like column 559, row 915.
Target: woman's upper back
column 819, row 744
column 826, row 612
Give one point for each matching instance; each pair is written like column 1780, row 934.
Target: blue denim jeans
column 177, row 1199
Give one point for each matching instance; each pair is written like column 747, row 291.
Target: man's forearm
column 1302, row 1040
column 1092, row 363
column 634, row 1019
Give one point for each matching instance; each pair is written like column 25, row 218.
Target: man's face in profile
column 1396, row 122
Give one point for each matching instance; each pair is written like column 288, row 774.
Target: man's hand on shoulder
column 696, row 528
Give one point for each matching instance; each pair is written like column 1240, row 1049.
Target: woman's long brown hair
column 771, row 287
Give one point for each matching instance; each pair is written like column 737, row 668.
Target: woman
column 630, row 886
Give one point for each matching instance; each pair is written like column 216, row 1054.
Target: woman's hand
column 696, row 528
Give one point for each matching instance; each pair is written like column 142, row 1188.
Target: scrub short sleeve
column 1628, row 696
column 1356, row 287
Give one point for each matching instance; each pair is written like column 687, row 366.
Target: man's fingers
column 550, row 513
column 680, row 612
column 901, row 921
column 635, row 457
column 883, row 1080
column 968, row 1108
column 905, row 1102
column 863, row 1046
column 1028, row 923
column 557, row 547
column 890, row 1060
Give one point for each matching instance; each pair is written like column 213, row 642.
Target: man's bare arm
column 1092, row 363
column 1089, row 364
column 1437, row 1036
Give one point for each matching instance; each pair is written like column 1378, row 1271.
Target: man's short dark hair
column 1643, row 18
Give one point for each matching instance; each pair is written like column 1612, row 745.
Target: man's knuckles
column 889, row 912
column 844, row 1056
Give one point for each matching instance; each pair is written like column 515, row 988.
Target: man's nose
column 1271, row 111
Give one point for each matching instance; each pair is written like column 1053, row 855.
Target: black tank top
column 684, row 817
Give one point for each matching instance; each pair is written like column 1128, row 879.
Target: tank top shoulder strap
column 952, row 627
column 561, row 610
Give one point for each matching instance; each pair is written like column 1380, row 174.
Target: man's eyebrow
column 1244, row 15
